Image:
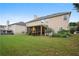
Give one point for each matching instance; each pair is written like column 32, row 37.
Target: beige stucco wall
column 18, row 29
column 54, row 23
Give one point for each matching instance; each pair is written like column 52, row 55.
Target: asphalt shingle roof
column 49, row 16
column 19, row 23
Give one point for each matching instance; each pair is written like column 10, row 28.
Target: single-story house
column 3, row 30
column 15, row 28
column 18, row 28
column 2, row 27
column 55, row 22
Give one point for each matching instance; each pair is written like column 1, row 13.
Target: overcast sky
column 26, row 11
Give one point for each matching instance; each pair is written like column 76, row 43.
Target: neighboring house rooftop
column 2, row 26
column 19, row 23
column 49, row 16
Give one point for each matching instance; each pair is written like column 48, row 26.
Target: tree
column 72, row 24
column 77, row 26
column 76, row 5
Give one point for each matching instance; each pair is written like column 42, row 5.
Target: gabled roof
column 19, row 23
column 49, row 16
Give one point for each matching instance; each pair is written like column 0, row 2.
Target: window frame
column 65, row 17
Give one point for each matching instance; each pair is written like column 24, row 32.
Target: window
column 65, row 17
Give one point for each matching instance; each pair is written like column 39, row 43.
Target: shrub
column 72, row 30
column 62, row 33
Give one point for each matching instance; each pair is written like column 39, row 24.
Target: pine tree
column 76, row 5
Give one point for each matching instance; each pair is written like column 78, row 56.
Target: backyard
column 24, row 45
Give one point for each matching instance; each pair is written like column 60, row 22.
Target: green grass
column 24, row 45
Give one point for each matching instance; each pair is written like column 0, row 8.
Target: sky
column 17, row 12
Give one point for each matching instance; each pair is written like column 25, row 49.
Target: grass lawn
column 38, row 45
